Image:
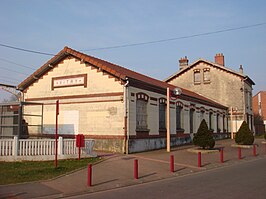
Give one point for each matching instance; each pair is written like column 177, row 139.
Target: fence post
column 15, row 146
column 60, row 146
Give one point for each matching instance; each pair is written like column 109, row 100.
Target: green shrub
column 244, row 135
column 203, row 138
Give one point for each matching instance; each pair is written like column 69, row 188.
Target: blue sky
column 48, row 26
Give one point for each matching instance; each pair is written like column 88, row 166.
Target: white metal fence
column 42, row 149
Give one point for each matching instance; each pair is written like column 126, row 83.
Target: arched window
column 162, row 109
column 224, row 127
column 211, row 120
column 191, row 120
column 179, row 116
column 202, row 111
column 141, row 111
column 218, row 130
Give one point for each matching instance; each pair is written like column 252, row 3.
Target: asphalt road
column 241, row 181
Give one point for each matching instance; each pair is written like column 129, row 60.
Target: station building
column 124, row 111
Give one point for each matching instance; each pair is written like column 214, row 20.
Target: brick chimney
column 183, row 63
column 219, row 59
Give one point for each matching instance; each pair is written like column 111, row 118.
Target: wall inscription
column 69, row 81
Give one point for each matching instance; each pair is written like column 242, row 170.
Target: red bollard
column 172, row 166
column 254, row 150
column 239, row 153
column 89, row 175
column 199, row 159
column 221, row 155
column 136, row 172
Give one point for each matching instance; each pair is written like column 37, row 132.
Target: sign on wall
column 69, row 81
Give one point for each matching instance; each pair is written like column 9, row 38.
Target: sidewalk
column 116, row 171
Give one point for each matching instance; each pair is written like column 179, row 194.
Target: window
column 202, row 111
column 179, row 116
column 224, row 127
column 197, row 76
column 162, row 109
column 141, row 112
column 206, row 75
column 210, row 121
column 251, row 122
column 218, row 130
column 191, row 120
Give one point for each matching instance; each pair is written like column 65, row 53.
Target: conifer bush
column 203, row 138
column 244, row 135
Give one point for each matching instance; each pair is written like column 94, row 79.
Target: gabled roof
column 212, row 64
column 117, row 71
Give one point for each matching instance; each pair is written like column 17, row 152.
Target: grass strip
column 28, row 171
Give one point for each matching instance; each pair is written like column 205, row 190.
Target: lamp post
column 175, row 93
column 168, row 120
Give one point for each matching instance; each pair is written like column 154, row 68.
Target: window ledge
column 180, row 130
column 143, row 130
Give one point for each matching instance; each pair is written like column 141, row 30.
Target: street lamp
column 176, row 92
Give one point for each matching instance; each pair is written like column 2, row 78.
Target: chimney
column 183, row 63
column 219, row 59
column 241, row 69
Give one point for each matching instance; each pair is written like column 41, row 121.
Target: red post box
column 80, row 140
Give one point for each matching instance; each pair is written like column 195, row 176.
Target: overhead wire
column 143, row 43
column 177, row 38
column 10, row 78
column 10, row 70
column 26, row 50
column 11, row 62
column 8, row 81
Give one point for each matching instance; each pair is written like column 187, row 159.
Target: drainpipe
column 126, row 134
column 244, row 101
